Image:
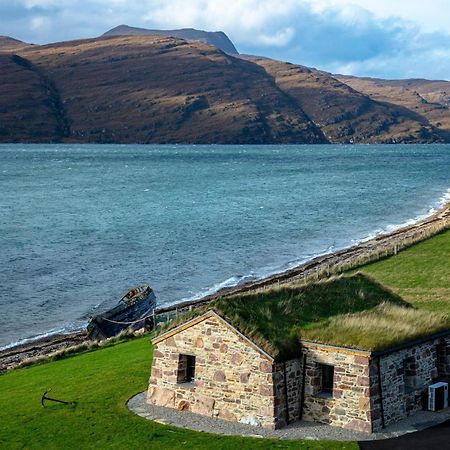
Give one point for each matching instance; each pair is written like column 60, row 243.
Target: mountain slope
column 430, row 99
column 8, row 43
column 166, row 90
column 156, row 89
column 343, row 113
column 27, row 103
column 218, row 38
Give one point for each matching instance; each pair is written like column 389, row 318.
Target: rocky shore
column 333, row 263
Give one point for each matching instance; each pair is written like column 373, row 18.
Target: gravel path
column 297, row 430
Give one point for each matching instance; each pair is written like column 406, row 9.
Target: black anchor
column 44, row 397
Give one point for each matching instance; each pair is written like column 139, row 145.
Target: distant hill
column 217, row 38
column 344, row 114
column 8, row 43
column 429, row 98
column 158, row 89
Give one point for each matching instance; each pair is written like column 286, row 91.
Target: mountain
column 147, row 89
column 218, row 38
column 158, row 89
column 428, row 98
column 27, row 112
column 344, row 114
column 8, row 43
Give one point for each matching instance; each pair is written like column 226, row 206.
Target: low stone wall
column 349, row 404
column 233, row 381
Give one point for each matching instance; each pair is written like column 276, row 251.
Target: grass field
column 100, row 382
column 419, row 274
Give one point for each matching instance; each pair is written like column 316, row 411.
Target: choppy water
column 81, row 224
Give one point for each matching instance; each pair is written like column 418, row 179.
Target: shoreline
column 336, row 262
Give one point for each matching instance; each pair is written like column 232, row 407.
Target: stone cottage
column 210, row 365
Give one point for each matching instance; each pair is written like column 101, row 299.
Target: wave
column 64, row 330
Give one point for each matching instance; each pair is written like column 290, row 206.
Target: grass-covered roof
column 350, row 311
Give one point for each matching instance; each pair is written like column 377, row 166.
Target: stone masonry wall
column 444, row 357
column 290, row 412
column 233, row 381
column 349, row 404
column 405, row 377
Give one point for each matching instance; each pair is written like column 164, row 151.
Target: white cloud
column 280, row 38
column 429, row 16
column 38, row 23
column 244, row 20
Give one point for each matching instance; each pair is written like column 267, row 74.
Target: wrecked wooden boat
column 133, row 312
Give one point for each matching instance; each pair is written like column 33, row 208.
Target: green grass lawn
column 419, row 274
column 100, row 382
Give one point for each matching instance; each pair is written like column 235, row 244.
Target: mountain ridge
column 158, row 89
column 8, row 43
column 217, row 38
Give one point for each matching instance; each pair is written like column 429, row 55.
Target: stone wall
column 288, row 391
column 237, row 382
column 443, row 350
column 405, row 377
column 233, row 381
column 348, row 406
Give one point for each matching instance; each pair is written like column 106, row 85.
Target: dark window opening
column 186, row 369
column 410, row 373
column 327, row 379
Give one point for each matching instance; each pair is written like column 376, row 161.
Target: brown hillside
column 166, row 90
column 343, row 113
column 430, row 99
column 27, row 108
column 217, row 38
column 8, row 43
column 156, row 89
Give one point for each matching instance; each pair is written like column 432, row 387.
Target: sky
column 378, row 38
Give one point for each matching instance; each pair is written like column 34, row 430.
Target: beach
column 333, row 263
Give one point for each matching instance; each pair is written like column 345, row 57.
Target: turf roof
column 349, row 311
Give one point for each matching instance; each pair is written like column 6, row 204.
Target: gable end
column 190, row 323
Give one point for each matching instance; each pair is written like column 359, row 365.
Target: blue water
column 81, row 224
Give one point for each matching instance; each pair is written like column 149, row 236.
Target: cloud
column 352, row 36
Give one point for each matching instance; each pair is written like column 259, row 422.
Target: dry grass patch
column 384, row 326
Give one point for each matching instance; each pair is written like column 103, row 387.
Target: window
column 327, row 379
column 410, row 373
column 186, row 369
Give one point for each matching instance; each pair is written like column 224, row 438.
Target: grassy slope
column 351, row 311
column 275, row 319
column 379, row 328
column 100, row 382
column 419, row 274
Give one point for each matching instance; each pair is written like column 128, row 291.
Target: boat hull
column 130, row 314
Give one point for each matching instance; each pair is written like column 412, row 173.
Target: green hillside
column 419, row 274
